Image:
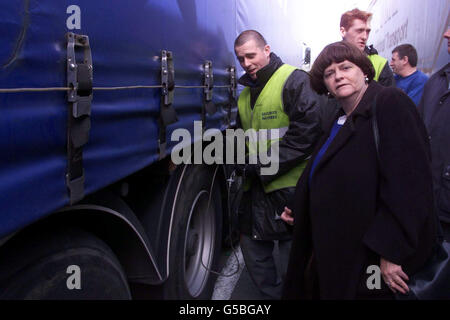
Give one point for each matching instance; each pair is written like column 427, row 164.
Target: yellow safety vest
column 268, row 114
column 378, row 63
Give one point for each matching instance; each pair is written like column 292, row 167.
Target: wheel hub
column 193, row 241
column 199, row 243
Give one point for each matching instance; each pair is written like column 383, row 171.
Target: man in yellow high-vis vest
column 277, row 98
column 355, row 28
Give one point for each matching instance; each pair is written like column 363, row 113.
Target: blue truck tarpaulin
column 126, row 39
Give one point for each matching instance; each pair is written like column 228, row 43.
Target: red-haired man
column 355, row 28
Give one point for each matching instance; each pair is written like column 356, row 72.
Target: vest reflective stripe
column 270, row 123
column 378, row 63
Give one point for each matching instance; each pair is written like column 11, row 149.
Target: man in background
column 407, row 77
column 434, row 107
column 355, row 28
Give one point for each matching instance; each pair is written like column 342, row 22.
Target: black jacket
column 257, row 210
column 434, row 107
column 356, row 209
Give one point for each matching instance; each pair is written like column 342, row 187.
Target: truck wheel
column 67, row 264
column 195, row 243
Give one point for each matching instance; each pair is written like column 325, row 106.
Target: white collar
column 342, row 120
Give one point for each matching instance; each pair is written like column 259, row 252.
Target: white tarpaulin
column 274, row 19
column 290, row 26
column 421, row 23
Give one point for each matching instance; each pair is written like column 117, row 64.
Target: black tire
column 38, row 265
column 196, row 233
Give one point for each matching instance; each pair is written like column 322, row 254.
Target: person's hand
column 394, row 276
column 287, row 216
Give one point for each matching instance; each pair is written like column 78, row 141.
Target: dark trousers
column 265, row 272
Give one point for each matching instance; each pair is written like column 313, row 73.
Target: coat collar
column 363, row 110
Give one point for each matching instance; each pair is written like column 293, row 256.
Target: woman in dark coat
column 351, row 210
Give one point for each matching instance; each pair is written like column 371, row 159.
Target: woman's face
column 344, row 79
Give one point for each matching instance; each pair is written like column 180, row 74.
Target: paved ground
column 234, row 285
column 237, row 285
column 233, row 267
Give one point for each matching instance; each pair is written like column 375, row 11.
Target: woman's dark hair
column 336, row 53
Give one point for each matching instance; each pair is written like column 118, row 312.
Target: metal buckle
column 208, row 83
column 167, row 76
column 79, row 97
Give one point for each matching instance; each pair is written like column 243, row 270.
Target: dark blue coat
column 434, row 108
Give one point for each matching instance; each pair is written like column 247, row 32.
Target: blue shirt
column 336, row 126
column 412, row 85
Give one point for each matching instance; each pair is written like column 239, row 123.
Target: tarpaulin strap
column 232, row 93
column 84, row 77
column 167, row 114
column 79, row 80
column 208, row 82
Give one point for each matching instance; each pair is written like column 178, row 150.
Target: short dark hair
column 348, row 17
column 248, row 35
column 338, row 52
column 407, row 50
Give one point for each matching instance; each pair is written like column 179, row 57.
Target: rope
column 33, row 89
column 125, row 88
column 12, row 90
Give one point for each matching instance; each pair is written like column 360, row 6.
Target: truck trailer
column 90, row 91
